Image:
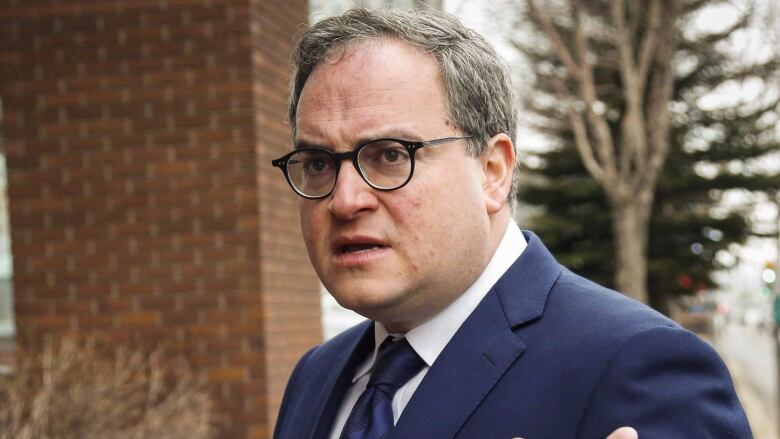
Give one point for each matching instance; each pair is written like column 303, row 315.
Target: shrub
column 82, row 389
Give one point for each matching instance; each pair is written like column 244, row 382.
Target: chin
column 368, row 303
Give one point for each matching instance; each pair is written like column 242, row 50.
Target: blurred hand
column 620, row 433
column 624, row 433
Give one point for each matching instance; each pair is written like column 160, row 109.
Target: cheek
column 311, row 225
column 418, row 222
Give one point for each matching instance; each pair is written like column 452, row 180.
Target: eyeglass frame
column 338, row 157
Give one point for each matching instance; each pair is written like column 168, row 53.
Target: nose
column 351, row 196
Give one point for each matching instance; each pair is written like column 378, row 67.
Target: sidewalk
column 760, row 413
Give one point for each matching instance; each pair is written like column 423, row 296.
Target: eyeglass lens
column 384, row 164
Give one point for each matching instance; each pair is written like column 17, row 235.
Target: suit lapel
column 523, row 289
column 448, row 395
column 482, row 349
column 338, row 380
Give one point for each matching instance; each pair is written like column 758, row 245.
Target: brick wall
column 142, row 204
column 286, row 320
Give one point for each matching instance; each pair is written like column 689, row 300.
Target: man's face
column 397, row 257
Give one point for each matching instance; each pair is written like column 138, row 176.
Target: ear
column 498, row 165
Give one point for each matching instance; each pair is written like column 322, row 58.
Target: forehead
column 365, row 82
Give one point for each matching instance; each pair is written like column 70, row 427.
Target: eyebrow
column 391, row 134
column 301, row 144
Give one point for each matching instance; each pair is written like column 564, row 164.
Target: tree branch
column 604, row 142
column 661, row 89
column 581, row 139
column 583, row 147
column 647, row 47
column 555, row 37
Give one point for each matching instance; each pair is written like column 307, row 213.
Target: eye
column 315, row 165
column 311, row 164
column 384, row 154
column 391, row 155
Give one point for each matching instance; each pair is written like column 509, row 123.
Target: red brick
column 143, row 318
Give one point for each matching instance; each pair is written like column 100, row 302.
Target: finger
column 624, row 433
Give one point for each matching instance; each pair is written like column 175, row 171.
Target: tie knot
column 396, row 364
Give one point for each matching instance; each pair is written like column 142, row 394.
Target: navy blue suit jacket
column 546, row 354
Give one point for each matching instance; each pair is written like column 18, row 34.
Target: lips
column 353, row 244
column 357, row 250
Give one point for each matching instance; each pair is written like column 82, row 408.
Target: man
column 404, row 130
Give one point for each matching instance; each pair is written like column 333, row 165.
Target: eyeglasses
column 385, row 164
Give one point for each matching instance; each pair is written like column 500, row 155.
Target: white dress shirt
column 430, row 338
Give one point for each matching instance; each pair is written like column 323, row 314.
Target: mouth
column 358, row 248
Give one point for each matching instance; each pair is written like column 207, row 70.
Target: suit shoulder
column 583, row 298
column 338, row 345
column 669, row 370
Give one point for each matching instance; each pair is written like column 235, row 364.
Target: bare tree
column 626, row 163
column 428, row 4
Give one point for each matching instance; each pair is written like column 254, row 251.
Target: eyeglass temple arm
column 440, row 141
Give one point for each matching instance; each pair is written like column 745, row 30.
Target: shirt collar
column 430, row 338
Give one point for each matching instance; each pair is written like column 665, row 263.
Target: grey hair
column 477, row 83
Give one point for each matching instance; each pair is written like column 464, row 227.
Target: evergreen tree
column 711, row 151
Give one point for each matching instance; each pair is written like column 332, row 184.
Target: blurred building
column 325, row 8
column 142, row 203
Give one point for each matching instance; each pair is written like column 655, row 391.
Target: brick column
column 142, row 203
column 290, row 316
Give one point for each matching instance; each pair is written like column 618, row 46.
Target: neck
column 498, row 224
